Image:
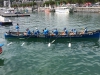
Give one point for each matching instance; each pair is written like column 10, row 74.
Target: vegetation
column 24, row 4
column 50, row 2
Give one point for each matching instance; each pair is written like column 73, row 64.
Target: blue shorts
column 17, row 30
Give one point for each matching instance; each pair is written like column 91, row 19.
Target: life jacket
column 45, row 32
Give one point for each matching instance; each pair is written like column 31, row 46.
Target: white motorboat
column 62, row 9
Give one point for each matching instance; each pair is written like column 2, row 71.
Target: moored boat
column 93, row 35
column 62, row 10
column 5, row 21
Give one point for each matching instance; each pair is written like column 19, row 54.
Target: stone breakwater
column 87, row 9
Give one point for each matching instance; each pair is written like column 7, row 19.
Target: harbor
column 35, row 57
column 49, row 37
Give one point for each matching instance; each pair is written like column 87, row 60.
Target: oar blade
column 69, row 45
column 22, row 44
column 49, row 44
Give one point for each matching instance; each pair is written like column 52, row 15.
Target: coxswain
column 17, row 28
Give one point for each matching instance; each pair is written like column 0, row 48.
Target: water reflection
column 1, row 62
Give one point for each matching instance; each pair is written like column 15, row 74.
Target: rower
column 17, row 28
column 74, row 31
column 28, row 31
column 45, row 32
column 37, row 32
column 55, row 32
column 85, row 30
column 6, row 33
column 9, row 32
column 65, row 31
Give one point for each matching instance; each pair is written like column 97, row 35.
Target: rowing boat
column 90, row 35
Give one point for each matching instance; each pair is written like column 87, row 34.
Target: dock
column 14, row 15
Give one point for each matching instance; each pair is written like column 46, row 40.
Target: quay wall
column 87, row 9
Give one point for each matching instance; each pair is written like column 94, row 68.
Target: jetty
column 14, row 15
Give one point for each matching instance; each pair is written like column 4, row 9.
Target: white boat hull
column 62, row 10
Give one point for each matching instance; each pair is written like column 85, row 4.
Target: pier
column 14, row 15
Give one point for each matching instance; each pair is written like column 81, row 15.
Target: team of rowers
column 46, row 31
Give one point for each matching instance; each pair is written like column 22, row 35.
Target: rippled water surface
column 36, row 58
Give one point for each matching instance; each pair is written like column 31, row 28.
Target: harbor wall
column 87, row 9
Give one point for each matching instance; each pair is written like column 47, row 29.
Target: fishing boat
column 90, row 35
column 5, row 21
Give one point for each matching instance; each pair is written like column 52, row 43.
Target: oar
column 23, row 43
column 69, row 45
column 49, row 44
column 26, row 39
column 9, row 43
